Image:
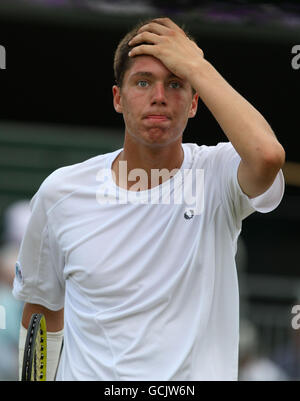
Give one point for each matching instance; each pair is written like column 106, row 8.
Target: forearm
column 244, row 126
column 54, row 319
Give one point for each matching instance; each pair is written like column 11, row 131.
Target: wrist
column 199, row 72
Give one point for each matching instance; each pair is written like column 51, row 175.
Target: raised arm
column 261, row 154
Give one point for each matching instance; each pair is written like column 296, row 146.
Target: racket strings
column 30, row 345
column 39, row 356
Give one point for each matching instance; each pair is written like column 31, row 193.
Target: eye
column 175, row 85
column 142, row 84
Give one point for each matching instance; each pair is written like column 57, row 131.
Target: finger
column 149, row 50
column 154, row 27
column 143, row 37
column 167, row 22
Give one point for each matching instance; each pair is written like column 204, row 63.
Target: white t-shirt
column 150, row 290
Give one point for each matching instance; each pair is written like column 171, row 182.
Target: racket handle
column 54, row 345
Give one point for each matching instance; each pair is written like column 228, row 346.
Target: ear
column 117, row 98
column 194, row 106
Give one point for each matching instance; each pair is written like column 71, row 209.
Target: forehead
column 147, row 64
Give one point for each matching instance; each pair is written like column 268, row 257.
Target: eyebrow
column 149, row 74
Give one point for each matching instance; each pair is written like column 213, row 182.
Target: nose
column 159, row 94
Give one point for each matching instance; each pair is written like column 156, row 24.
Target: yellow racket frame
column 34, row 369
column 42, row 352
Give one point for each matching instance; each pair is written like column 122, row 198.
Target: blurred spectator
column 15, row 220
column 288, row 356
column 252, row 365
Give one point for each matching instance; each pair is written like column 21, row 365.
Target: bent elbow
column 269, row 164
column 276, row 157
column 273, row 159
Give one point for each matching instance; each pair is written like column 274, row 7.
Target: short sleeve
column 39, row 268
column 236, row 202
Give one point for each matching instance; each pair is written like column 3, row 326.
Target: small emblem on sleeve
column 19, row 275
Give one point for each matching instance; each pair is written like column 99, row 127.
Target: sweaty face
column 155, row 103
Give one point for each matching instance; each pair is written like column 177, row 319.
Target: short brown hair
column 122, row 61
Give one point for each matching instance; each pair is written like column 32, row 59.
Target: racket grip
column 54, row 344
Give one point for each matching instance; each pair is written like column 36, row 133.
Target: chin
column 155, row 138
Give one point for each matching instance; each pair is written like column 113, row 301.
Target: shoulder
column 202, row 154
column 68, row 179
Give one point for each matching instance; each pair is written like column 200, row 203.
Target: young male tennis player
column 149, row 286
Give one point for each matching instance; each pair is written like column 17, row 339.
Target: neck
column 146, row 158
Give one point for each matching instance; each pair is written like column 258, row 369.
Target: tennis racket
column 35, row 352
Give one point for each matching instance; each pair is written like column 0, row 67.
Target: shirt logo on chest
column 189, row 214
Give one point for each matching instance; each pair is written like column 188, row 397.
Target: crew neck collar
column 151, row 191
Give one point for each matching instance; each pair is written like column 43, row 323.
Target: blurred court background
column 56, row 109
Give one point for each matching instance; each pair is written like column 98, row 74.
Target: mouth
column 157, row 117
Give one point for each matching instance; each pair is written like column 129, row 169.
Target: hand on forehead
column 166, row 41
